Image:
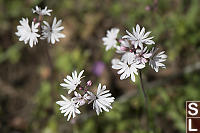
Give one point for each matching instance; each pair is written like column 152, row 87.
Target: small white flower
column 138, row 37
column 27, row 33
column 79, row 99
column 124, row 45
column 68, row 107
column 72, row 82
column 142, row 55
column 156, row 60
column 102, row 100
column 91, row 97
column 127, row 68
column 110, row 39
column 42, row 12
column 52, row 33
column 128, row 57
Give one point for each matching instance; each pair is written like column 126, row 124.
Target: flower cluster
column 39, row 29
column 135, row 50
column 102, row 100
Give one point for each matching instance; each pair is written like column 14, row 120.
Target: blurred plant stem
column 49, row 59
column 145, row 100
column 75, row 128
column 143, row 90
column 52, row 73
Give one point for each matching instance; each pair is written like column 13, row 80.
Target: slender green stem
column 49, row 59
column 52, row 74
column 145, row 100
column 143, row 90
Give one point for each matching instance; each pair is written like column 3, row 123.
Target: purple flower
column 98, row 68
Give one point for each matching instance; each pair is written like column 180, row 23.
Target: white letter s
column 193, row 108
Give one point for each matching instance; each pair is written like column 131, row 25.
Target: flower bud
column 147, row 8
column 89, row 83
column 34, row 20
column 121, row 40
column 80, row 88
column 86, row 89
column 131, row 50
column 123, row 48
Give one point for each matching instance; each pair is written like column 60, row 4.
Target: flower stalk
column 143, row 89
column 145, row 100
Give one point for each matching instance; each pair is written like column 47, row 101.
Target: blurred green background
column 29, row 87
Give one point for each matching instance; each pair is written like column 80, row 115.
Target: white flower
column 110, row 40
column 42, row 12
column 124, row 45
column 72, row 82
column 128, row 67
column 27, row 33
column 142, row 55
column 138, row 37
column 68, row 107
column 156, row 60
column 128, row 57
column 102, row 100
column 79, row 99
column 91, row 97
column 52, row 33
